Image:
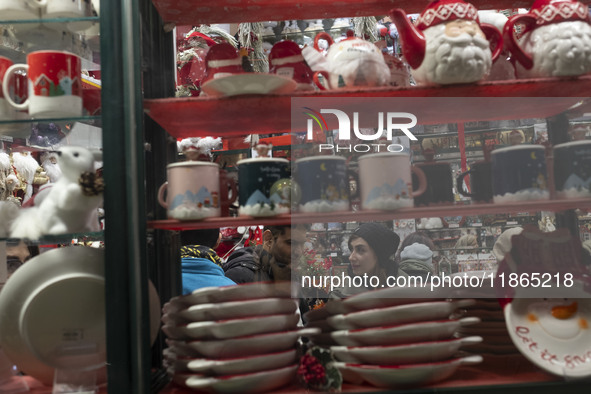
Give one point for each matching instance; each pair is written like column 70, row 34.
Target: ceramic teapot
column 556, row 40
column 352, row 62
column 448, row 44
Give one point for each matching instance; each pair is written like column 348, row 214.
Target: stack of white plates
column 233, row 339
column 392, row 338
column 492, row 327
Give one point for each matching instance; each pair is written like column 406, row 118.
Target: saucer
column 238, row 347
column 248, row 83
column 234, row 328
column 249, row 291
column 391, row 376
column 402, row 354
column 395, row 335
column 397, row 314
column 258, row 382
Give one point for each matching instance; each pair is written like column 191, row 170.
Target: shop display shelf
column 266, row 114
column 191, row 12
column 65, row 239
column 367, row 216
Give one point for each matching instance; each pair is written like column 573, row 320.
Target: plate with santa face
column 257, row 382
column 395, row 335
column 248, row 83
column 238, row 347
column 234, row 328
column 413, row 353
column 394, row 376
column 234, row 310
column 401, row 314
column 553, row 333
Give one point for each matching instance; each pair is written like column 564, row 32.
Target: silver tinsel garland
column 366, row 26
column 257, row 57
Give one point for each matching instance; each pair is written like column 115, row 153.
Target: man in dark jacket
column 270, row 261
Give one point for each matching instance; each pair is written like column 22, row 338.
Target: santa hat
column 196, row 35
column 288, row 54
column 555, row 11
column 222, row 59
column 503, row 244
column 441, row 11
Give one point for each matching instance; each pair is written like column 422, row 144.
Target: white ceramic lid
column 193, row 163
column 519, row 147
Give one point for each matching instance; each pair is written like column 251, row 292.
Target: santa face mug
column 519, row 173
column 449, row 44
column 55, row 84
column 556, row 40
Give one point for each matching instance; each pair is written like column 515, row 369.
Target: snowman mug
column 55, row 84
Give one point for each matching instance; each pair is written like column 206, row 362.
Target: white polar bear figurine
column 70, row 205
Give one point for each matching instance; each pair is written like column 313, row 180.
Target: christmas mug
column 263, row 186
column 323, row 182
column 572, row 169
column 385, row 181
column 55, row 84
column 193, row 190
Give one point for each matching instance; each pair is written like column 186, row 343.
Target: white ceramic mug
column 68, row 9
column 55, row 84
column 193, row 190
column 385, row 181
column 21, row 9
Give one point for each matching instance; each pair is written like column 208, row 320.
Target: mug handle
column 495, row 37
column 228, row 193
column 5, row 84
column 422, row 181
column 460, row 183
column 512, row 44
column 317, row 81
column 161, row 191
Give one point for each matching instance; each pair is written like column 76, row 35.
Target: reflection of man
column 270, row 261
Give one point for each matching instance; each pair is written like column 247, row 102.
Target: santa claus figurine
column 286, row 59
column 448, row 44
column 556, row 40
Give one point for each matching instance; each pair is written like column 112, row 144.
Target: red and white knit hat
column 556, row 11
column 287, row 55
column 221, row 60
column 441, row 11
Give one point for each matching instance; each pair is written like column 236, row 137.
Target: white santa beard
column 461, row 59
column 558, row 50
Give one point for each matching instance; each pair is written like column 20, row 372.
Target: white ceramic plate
column 413, row 353
column 245, row 383
column 52, row 313
column 560, row 330
column 396, row 315
column 395, row 376
column 395, row 335
column 238, row 347
column 233, row 366
column 237, row 309
column 234, row 328
column 248, row 83
column 394, row 296
column 250, row 291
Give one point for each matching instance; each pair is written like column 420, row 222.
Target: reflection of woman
column 371, row 247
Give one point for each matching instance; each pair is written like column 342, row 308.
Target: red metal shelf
column 248, row 114
column 368, row 216
column 191, row 12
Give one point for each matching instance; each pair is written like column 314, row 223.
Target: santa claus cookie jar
column 448, row 44
column 556, row 40
column 352, row 62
